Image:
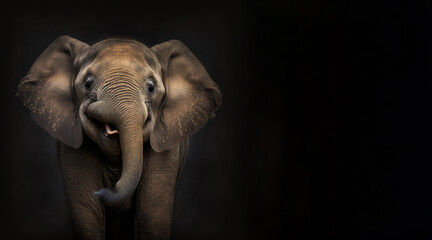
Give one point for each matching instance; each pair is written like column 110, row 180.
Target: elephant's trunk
column 128, row 116
column 131, row 143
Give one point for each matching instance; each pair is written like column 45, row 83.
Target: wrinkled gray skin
column 137, row 107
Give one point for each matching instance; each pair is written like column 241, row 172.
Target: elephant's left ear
column 191, row 96
column 47, row 90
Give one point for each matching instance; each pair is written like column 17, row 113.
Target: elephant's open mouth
column 106, row 129
column 109, row 130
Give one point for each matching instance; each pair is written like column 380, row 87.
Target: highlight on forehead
column 117, row 47
column 121, row 51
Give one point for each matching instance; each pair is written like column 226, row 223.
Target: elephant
column 122, row 114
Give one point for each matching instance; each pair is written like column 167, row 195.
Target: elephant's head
column 121, row 94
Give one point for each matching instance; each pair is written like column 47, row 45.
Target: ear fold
column 47, row 90
column 191, row 96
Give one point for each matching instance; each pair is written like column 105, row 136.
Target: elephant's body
column 123, row 114
column 102, row 172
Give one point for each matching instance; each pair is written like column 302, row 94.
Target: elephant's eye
column 150, row 85
column 88, row 82
column 151, row 88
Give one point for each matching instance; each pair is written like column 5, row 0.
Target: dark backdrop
column 324, row 130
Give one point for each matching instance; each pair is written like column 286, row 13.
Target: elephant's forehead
column 112, row 65
column 120, row 52
column 127, row 54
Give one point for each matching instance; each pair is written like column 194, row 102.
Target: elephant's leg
column 82, row 176
column 155, row 194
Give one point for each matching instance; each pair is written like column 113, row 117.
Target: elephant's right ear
column 47, row 90
column 191, row 96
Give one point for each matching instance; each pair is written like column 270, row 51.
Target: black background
column 324, row 130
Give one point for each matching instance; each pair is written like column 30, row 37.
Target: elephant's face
column 119, row 70
column 120, row 94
